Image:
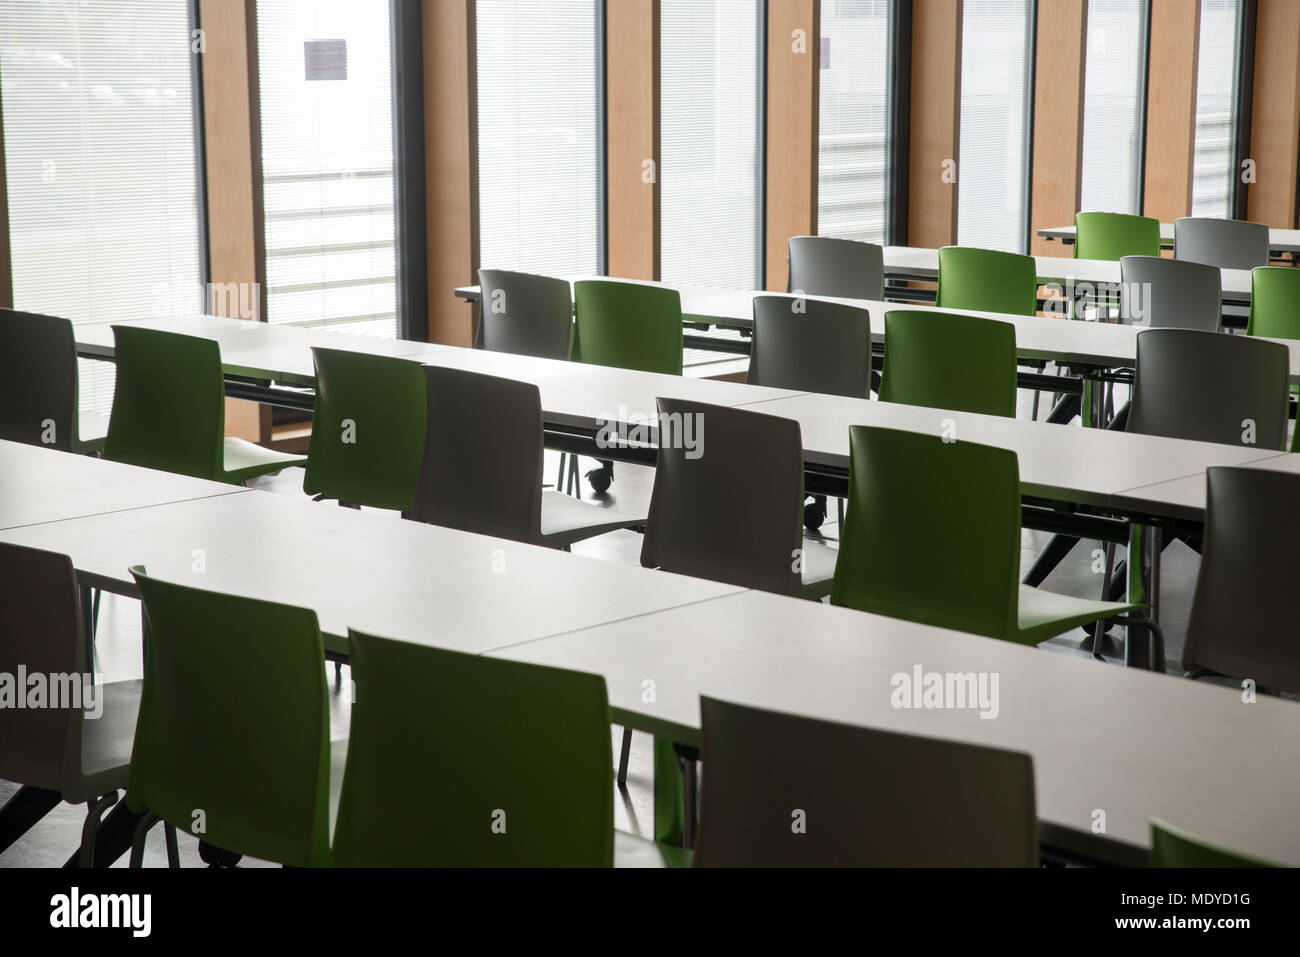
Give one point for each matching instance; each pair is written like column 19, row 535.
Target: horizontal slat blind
column 1112, row 105
column 101, row 165
column 1216, row 115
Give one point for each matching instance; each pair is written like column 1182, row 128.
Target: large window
column 99, row 140
column 326, row 83
column 853, row 123
column 1216, row 120
column 1114, row 83
column 539, row 135
column 996, row 87
column 710, row 63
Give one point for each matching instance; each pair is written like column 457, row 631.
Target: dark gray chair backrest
column 1226, row 243
column 1210, row 387
column 810, row 346
column 1243, row 620
column 1171, row 294
column 838, row 268
column 788, row 791
column 733, row 512
column 482, row 464
column 524, row 314
column 38, row 380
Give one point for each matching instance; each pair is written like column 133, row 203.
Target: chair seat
column 91, row 431
column 633, row 851
column 1044, row 614
column 818, row 569
column 244, row 460
column 106, row 741
column 566, row 519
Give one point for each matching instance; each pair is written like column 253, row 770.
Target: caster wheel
column 216, row 857
column 814, row 513
column 600, row 479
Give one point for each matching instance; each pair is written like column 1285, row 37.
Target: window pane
column 538, row 135
column 995, row 54
column 1112, row 105
column 853, row 131
column 708, row 109
column 1216, row 83
column 101, row 164
column 327, row 163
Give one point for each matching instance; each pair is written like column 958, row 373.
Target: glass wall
column 1114, row 84
column 1216, row 113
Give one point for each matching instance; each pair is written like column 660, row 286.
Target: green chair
column 233, row 731
column 987, row 280
column 629, row 325
column 367, row 430
column 933, row 536
column 1173, row 847
column 465, row 760
column 169, row 410
column 945, row 361
column 1113, row 236
column 1274, row 302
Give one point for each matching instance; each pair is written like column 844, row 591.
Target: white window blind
column 1112, row 105
column 538, row 135
column 327, row 163
column 100, row 158
column 1216, row 84
column 995, row 91
column 854, row 116
column 708, row 114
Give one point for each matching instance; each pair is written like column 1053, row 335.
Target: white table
column 1127, row 743
column 1279, row 240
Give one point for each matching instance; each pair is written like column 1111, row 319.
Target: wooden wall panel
column 632, row 137
column 793, row 70
column 1058, row 118
column 451, row 164
column 1171, row 107
column 936, row 121
column 1275, row 118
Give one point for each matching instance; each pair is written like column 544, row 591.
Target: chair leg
column 173, row 852
column 1099, row 628
column 624, row 750
column 141, row 835
column 559, row 476
column 839, row 504
column 575, row 480
column 90, row 827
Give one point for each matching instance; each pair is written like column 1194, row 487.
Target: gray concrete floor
column 50, row 842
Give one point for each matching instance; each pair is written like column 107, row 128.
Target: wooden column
column 233, row 143
column 451, row 164
column 1275, row 118
column 936, row 122
column 793, row 71
column 632, row 137
column 1057, row 167
column 1171, row 107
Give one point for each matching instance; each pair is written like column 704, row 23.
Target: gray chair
column 838, row 268
column 1226, row 243
column 807, row 345
column 482, row 465
column 527, row 315
column 1173, row 293
column 1244, row 618
column 788, row 791
column 38, row 385
column 80, row 751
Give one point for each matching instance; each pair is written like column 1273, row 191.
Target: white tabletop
column 374, row 572
column 1185, row 497
column 1279, row 240
column 1127, row 742
column 44, row 485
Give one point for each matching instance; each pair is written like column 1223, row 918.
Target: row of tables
column 1279, row 240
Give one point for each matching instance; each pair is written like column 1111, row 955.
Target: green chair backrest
column 457, row 759
column 233, row 722
column 987, row 280
column 628, row 325
column 169, row 405
column 368, row 429
column 1274, row 302
column 932, row 532
column 1115, row 235
column 38, row 380
column 945, row 361
column 1173, row 847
